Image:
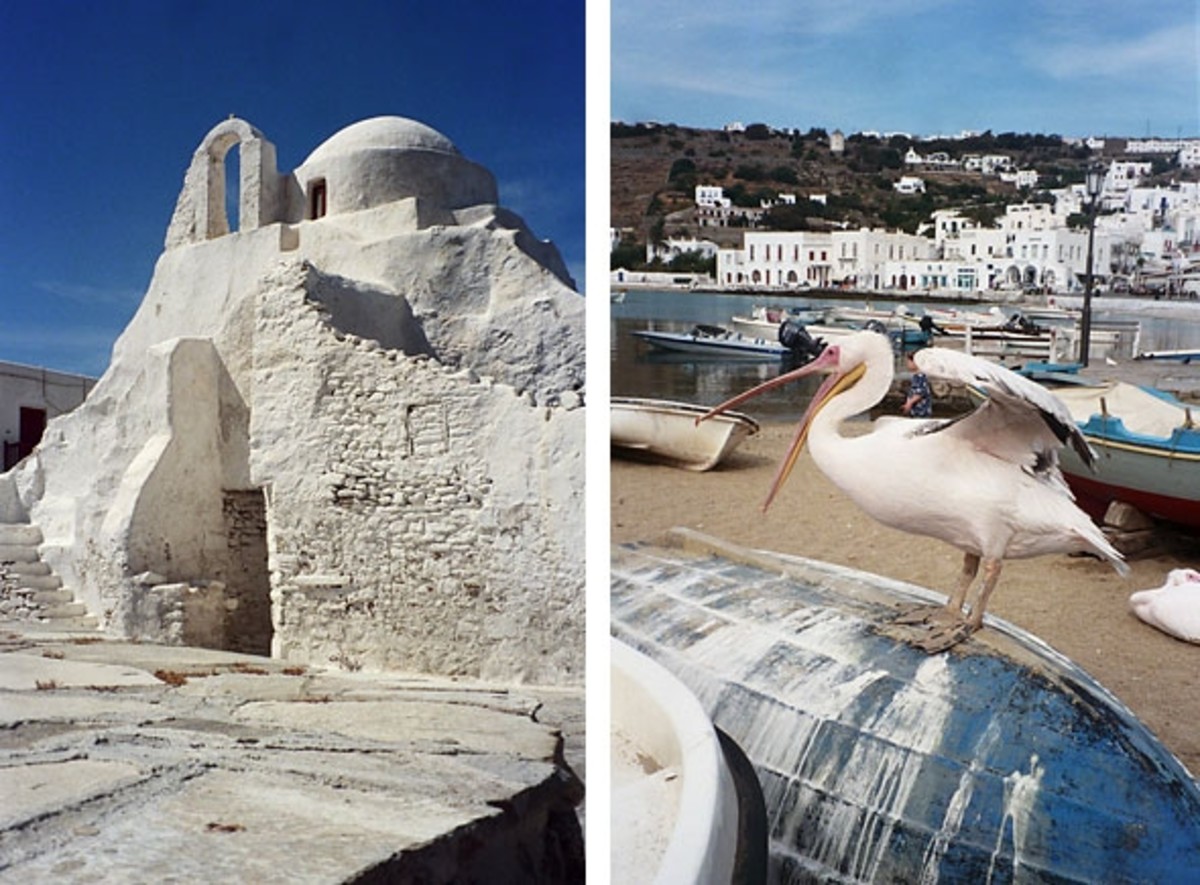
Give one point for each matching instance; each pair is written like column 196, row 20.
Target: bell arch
column 200, row 210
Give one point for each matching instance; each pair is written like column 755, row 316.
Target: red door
column 33, row 424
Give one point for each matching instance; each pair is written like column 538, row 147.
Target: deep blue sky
column 1066, row 67
column 104, row 102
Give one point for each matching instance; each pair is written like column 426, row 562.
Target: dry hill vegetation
column 656, row 167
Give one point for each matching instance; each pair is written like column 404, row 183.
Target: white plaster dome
column 383, row 133
column 384, row 159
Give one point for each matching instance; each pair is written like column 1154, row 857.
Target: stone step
column 53, row 597
column 40, row 582
column 65, row 610
column 27, row 568
column 19, row 534
column 87, row 623
column 19, row 553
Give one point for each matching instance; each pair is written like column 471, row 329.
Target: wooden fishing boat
column 1149, row 451
column 667, row 431
column 999, row 761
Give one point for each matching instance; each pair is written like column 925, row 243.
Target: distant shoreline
column 1103, row 301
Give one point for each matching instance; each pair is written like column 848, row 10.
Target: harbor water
column 639, row 370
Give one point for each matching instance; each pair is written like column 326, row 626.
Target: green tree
column 785, row 175
column 750, row 172
column 693, row 261
column 628, row 254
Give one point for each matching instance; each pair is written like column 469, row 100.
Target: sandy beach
column 1078, row 605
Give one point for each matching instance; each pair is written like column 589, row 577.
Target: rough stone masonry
column 349, row 432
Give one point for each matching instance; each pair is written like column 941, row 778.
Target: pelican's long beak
column 837, row 382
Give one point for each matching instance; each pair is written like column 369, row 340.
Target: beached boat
column 713, row 341
column 1149, row 451
column 667, row 431
column 688, row 805
column 1002, row 761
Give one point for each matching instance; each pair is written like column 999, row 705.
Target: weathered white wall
column 420, row 518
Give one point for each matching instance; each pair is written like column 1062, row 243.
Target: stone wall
column 247, row 581
column 420, row 518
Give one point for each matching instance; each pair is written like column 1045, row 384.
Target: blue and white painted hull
column 998, row 761
column 1148, row 452
column 729, row 345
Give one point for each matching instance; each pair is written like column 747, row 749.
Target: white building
column 1125, row 174
column 711, row 196
column 29, row 397
column 1021, row 178
column 821, row 259
column 909, row 184
column 356, row 421
column 1028, row 216
column 673, row 247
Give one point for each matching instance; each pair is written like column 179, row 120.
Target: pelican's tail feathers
column 1098, row 542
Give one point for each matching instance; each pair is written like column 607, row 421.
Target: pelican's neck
column 872, row 387
column 870, row 390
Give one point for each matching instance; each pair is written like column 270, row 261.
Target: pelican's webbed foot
column 945, row 636
column 919, row 614
column 931, row 628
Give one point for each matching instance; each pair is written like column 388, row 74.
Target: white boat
column 667, row 431
column 713, row 341
column 764, row 322
column 1185, row 355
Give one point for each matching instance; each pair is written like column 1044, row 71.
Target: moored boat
column 764, row 322
column 712, row 341
column 1149, row 451
column 667, row 431
column 1184, row 355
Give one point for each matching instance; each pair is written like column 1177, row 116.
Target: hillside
column 655, row 168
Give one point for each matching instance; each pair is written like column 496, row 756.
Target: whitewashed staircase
column 36, row 592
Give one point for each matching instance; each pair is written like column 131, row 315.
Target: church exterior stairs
column 29, row 590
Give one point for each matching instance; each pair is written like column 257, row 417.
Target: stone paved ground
column 132, row 762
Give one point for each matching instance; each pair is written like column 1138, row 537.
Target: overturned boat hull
column 998, row 761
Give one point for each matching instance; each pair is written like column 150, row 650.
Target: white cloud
column 1156, row 55
column 84, row 293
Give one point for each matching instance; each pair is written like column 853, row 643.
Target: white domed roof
column 383, row 133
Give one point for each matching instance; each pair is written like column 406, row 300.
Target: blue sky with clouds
column 104, row 103
column 1066, row 67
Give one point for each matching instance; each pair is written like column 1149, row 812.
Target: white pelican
column 987, row 482
column 1174, row 607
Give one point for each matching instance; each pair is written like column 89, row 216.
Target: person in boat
column 920, row 396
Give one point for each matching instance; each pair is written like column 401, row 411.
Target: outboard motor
column 802, row 347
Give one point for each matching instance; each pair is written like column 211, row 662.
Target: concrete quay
column 126, row 762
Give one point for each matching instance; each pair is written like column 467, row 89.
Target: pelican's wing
column 1019, row 416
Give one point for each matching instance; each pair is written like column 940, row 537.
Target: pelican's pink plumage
column 988, row 483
